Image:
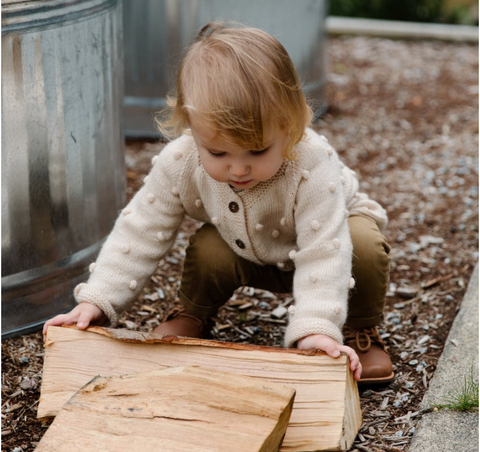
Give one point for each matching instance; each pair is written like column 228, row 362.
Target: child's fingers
column 352, row 356
column 332, row 350
column 56, row 321
column 358, row 372
column 45, row 327
column 354, row 360
column 84, row 320
column 355, row 365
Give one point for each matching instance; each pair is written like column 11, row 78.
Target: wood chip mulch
column 404, row 115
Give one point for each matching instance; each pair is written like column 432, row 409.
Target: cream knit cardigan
column 297, row 220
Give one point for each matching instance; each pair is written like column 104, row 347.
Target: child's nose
column 239, row 169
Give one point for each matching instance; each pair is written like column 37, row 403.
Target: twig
column 434, row 281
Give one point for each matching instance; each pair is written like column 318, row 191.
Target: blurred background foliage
column 463, row 12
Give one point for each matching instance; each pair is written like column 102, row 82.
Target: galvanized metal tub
column 63, row 177
column 157, row 32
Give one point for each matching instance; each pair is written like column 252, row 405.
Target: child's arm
column 323, row 259
column 83, row 315
column 333, row 349
column 143, row 233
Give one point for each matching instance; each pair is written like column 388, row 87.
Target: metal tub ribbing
column 63, row 177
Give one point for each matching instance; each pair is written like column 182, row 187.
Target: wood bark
column 326, row 413
column 172, row 410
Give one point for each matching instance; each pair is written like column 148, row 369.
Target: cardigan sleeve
column 323, row 260
column 144, row 231
column 360, row 203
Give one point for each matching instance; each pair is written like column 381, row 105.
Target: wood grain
column 172, row 410
column 326, row 413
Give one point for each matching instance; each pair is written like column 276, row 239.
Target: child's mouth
column 242, row 182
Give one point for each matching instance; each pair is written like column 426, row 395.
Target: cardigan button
column 233, row 206
column 240, row 244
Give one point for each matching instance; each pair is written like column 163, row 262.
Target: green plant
column 444, row 11
column 461, row 14
column 409, row 10
column 465, row 398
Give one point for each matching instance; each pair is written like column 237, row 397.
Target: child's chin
column 250, row 184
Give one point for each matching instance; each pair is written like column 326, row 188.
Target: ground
column 404, row 115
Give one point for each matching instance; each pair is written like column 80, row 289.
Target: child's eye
column 216, row 154
column 259, row 152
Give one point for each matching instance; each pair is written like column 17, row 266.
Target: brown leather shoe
column 180, row 323
column 376, row 364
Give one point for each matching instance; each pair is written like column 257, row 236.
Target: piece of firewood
column 173, row 410
column 326, row 413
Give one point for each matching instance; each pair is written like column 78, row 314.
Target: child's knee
column 370, row 248
column 208, row 249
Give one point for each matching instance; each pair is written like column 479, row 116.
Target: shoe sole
column 377, row 381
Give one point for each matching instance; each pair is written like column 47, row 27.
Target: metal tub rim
column 33, row 16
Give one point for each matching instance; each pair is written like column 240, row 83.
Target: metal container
column 63, row 177
column 158, row 31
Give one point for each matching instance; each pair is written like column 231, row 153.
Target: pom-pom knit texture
column 298, row 214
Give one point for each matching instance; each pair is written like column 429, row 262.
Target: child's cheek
column 269, row 168
column 214, row 170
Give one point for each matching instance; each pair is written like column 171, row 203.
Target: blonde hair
column 242, row 82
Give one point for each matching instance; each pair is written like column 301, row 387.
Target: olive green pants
column 212, row 272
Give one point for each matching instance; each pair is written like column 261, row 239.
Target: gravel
column 404, row 115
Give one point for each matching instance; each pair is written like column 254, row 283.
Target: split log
column 326, row 413
column 172, row 410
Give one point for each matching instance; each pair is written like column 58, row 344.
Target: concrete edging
column 446, row 431
column 336, row 25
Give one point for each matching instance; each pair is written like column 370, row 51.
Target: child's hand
column 333, row 349
column 82, row 315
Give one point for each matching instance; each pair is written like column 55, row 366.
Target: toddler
column 280, row 211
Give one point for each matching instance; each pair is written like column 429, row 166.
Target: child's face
column 239, row 167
